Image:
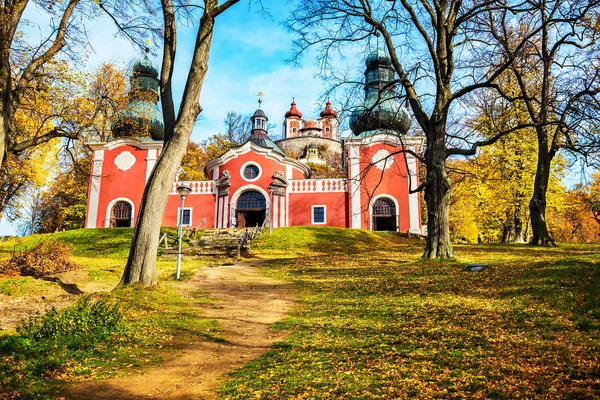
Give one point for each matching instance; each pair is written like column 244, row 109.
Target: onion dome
column 378, row 57
column 381, row 110
column 312, row 146
column 328, row 112
column 141, row 116
column 145, row 67
column 293, row 111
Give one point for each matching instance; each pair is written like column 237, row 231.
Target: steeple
column 141, row 116
column 380, row 109
column 259, row 133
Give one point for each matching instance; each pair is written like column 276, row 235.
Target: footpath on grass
column 246, row 305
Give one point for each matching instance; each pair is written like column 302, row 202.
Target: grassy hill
column 374, row 319
column 377, row 321
column 104, row 332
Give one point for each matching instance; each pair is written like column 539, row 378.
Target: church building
column 263, row 181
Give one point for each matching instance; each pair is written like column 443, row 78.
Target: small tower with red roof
column 293, row 122
column 329, row 122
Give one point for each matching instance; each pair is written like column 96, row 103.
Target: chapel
column 269, row 182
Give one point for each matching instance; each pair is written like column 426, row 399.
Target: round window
column 251, row 172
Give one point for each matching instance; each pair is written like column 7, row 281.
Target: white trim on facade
column 135, row 142
column 275, row 215
column 268, row 153
column 289, row 175
column 354, row 188
column 312, row 214
column 94, row 195
column 152, row 157
column 413, row 198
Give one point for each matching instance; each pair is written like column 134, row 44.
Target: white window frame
column 179, row 215
column 246, row 164
column 312, row 214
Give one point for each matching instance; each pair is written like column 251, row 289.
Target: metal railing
column 248, row 237
column 193, row 231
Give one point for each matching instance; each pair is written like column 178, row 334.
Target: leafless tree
column 439, row 54
column 237, row 127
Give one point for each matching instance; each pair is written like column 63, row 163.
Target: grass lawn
column 376, row 321
column 130, row 330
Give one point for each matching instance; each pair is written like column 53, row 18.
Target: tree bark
column 537, row 205
column 519, row 224
column 437, row 198
column 141, row 264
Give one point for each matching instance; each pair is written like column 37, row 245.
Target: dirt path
column 251, row 303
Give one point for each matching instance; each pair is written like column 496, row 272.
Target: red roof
column 293, row 111
column 328, row 112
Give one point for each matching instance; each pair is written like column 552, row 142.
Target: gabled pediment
column 248, row 147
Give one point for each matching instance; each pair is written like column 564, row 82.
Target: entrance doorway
column 251, row 209
column 120, row 215
column 384, row 215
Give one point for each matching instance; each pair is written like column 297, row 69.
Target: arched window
column 251, row 209
column 384, row 215
column 120, row 215
column 384, row 208
column 251, row 201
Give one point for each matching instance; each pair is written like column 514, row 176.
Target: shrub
column 85, row 321
column 61, row 345
column 46, row 258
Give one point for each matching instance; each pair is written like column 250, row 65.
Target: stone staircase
column 213, row 243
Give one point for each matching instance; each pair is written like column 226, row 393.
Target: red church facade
column 258, row 182
column 374, row 195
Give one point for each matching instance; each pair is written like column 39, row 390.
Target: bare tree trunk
column 537, row 205
column 508, row 232
column 141, row 264
column 519, row 224
column 437, row 198
column 5, row 98
column 3, row 134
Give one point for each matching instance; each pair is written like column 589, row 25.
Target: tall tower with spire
column 141, row 117
column 326, row 126
column 381, row 110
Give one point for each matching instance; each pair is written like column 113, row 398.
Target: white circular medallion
column 125, row 161
column 382, row 159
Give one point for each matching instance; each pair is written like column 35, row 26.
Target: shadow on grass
column 70, row 288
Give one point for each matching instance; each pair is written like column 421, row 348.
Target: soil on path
column 250, row 304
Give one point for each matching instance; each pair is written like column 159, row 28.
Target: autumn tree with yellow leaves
column 59, row 168
column 24, row 64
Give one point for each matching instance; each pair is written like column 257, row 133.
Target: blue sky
column 248, row 56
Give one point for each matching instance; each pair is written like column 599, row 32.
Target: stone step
column 213, row 243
